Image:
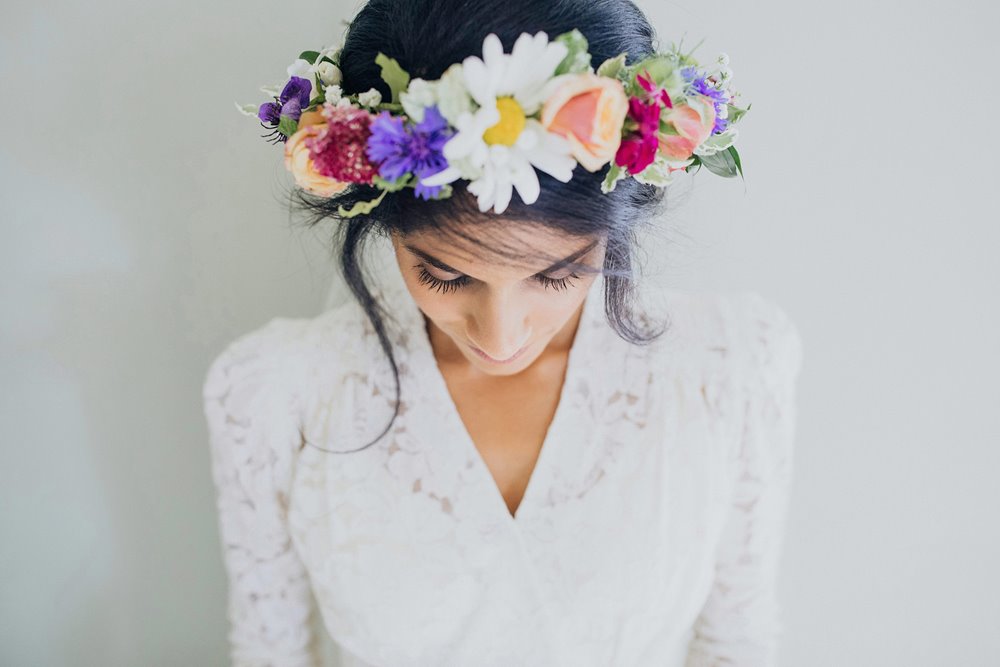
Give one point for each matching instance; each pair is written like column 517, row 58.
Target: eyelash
column 445, row 286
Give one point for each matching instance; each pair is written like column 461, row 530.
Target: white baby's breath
column 370, row 98
column 333, row 94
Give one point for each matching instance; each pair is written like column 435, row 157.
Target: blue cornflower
column 696, row 84
column 403, row 147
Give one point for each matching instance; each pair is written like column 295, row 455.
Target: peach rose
column 589, row 111
column 299, row 161
column 692, row 128
column 311, row 117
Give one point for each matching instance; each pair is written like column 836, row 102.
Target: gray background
column 141, row 232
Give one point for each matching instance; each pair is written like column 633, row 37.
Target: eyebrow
column 434, row 261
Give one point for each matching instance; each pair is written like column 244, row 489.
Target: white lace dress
column 649, row 533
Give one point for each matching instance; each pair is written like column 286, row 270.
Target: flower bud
column 329, row 74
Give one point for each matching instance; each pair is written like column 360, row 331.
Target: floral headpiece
column 494, row 120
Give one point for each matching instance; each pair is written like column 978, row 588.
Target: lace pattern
column 649, row 534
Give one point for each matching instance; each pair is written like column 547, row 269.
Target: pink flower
column 655, row 93
column 638, row 150
column 588, row 110
column 339, row 150
column 299, row 162
column 692, row 128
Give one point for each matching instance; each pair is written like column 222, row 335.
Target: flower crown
column 494, row 120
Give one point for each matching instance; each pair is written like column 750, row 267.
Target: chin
column 506, row 368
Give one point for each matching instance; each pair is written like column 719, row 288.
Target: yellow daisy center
column 511, row 123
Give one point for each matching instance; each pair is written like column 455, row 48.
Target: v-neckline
column 425, row 363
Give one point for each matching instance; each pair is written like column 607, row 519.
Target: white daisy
column 498, row 146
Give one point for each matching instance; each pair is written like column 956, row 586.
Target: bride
column 483, row 452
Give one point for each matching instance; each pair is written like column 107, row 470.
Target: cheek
column 550, row 310
column 550, row 318
column 442, row 308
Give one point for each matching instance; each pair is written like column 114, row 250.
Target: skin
column 500, row 309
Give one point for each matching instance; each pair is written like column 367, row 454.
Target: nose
column 499, row 328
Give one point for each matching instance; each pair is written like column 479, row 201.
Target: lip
column 517, row 355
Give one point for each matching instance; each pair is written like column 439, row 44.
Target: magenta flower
column 339, row 150
column 658, row 94
column 638, row 150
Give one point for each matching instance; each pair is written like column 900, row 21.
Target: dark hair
column 426, row 37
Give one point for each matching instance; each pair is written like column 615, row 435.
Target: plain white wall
column 142, row 231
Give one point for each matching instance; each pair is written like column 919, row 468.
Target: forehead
column 502, row 250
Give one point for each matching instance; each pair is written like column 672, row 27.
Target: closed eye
column 445, row 286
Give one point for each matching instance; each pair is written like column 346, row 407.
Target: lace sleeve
column 252, row 438
column 739, row 623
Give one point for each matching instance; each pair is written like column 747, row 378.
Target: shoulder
column 742, row 332
column 282, row 354
column 770, row 339
column 746, row 352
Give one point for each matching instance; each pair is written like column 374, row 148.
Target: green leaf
column 393, row 186
column 363, row 207
column 390, row 106
column 667, row 128
column 615, row 174
column 444, row 192
column 736, row 159
column 612, row 66
column 309, row 56
column 717, row 142
column 287, row 125
column 577, row 59
column 696, row 165
column 721, row 164
column 657, row 173
column 735, row 113
column 394, row 76
column 662, row 69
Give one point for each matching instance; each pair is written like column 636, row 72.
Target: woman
column 485, row 456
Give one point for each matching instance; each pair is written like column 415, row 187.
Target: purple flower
column 698, row 85
column 403, row 147
column 294, row 97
